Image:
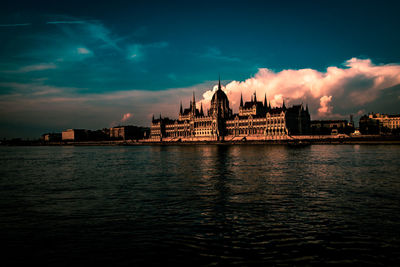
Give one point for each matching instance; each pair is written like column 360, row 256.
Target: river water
column 200, row 205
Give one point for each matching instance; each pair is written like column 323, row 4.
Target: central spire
column 194, row 105
column 201, row 109
column 219, row 82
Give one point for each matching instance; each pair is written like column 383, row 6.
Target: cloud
column 52, row 107
column 329, row 94
column 90, row 30
column 355, row 84
column 66, row 22
column 36, row 67
column 325, row 108
column 30, row 90
column 137, row 52
column 83, row 51
column 361, row 112
column 16, row 25
column 99, row 32
column 126, row 117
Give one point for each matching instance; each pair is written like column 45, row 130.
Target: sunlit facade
column 255, row 121
column 376, row 123
column 385, row 120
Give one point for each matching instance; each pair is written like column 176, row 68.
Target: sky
column 98, row 64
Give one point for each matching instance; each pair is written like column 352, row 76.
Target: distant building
column 323, row 127
column 255, row 120
column 114, row 133
column 51, row 137
column 74, row 135
column 351, row 122
column 127, row 133
column 376, row 123
column 97, row 135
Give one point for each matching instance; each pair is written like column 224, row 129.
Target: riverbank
column 298, row 141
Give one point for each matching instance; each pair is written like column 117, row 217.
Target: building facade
column 129, row 132
column 324, row 127
column 51, row 137
column 376, row 123
column 255, row 121
column 74, row 135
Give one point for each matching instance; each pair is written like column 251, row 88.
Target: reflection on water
column 233, row 205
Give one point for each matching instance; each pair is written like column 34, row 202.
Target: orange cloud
column 324, row 103
column 359, row 81
column 126, row 117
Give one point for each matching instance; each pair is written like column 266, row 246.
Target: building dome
column 220, row 104
column 219, row 95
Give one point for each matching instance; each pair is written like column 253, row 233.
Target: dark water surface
column 200, row 205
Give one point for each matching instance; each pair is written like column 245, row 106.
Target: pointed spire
column 307, row 108
column 152, row 120
column 283, row 105
column 194, row 105
column 265, row 100
column 160, row 115
column 181, row 109
column 251, row 98
column 201, row 109
column 241, row 99
column 269, row 105
column 219, row 82
column 255, row 97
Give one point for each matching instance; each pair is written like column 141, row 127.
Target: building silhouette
column 256, row 121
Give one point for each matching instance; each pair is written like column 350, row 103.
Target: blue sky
column 84, row 64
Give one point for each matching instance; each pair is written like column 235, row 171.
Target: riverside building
column 255, row 121
column 376, row 123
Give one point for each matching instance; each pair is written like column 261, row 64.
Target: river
column 200, row 205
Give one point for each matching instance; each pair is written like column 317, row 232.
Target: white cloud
column 83, row 51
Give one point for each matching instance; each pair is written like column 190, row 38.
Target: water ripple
column 202, row 205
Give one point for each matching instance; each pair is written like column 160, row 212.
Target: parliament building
column 255, row 121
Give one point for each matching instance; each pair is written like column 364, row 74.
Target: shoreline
column 362, row 140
